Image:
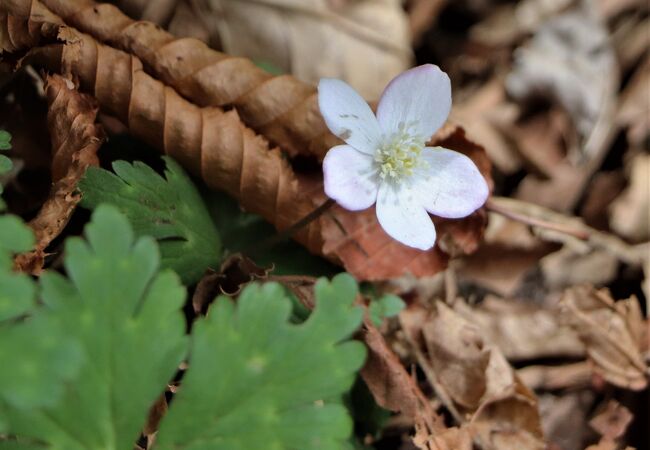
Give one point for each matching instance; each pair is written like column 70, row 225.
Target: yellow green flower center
column 399, row 155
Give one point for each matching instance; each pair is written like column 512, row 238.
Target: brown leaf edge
column 75, row 139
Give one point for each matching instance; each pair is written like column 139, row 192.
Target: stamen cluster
column 399, row 155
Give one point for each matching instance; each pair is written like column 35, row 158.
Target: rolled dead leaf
column 75, row 140
column 282, row 108
column 613, row 333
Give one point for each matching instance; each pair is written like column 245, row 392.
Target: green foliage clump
column 265, row 383
column 84, row 363
column 388, row 305
column 168, row 208
column 192, row 229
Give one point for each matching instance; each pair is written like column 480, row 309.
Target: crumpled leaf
column 126, row 319
column 473, row 379
column 170, row 209
column 228, row 156
column 613, row 333
column 75, row 140
column 251, row 370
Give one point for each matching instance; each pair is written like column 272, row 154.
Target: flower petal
column 451, row 186
column 347, row 115
column 350, row 177
column 403, row 218
column 420, row 97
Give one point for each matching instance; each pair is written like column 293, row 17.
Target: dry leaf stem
column 558, row 224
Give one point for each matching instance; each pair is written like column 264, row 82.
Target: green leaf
column 388, row 305
column 5, row 140
column 17, row 291
column 126, row 319
column 256, row 381
column 37, row 356
column 35, row 353
column 169, row 209
column 5, row 164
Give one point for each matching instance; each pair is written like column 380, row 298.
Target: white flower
column 386, row 161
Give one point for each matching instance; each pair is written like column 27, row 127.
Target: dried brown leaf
column 473, row 379
column 235, row 272
column 392, row 386
column 75, row 140
column 281, row 108
column 613, row 333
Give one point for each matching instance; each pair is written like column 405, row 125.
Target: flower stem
column 293, row 229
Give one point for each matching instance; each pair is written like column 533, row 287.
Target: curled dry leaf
column 228, row 156
column 364, row 42
column 613, row 333
column 473, row 379
column 282, row 108
column 235, row 272
column 75, row 140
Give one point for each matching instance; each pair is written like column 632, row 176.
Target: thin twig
column 535, row 222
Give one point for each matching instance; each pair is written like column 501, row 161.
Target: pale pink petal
column 451, row 186
column 420, row 98
column 350, row 178
column 347, row 115
column 403, row 218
